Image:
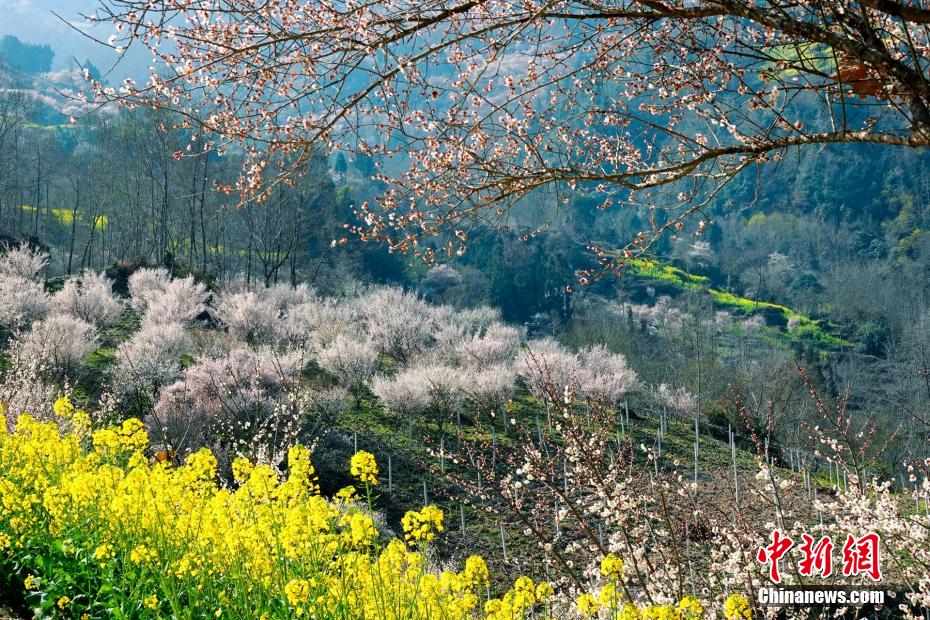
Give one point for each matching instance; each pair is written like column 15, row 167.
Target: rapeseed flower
column 422, row 525
column 737, row 607
column 587, row 605
column 611, row 566
column 364, row 467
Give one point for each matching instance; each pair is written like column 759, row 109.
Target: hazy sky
column 33, row 21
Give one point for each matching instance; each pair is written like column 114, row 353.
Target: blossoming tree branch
column 475, row 104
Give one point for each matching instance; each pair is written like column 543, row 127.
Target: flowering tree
column 90, row 298
column 247, row 315
column 352, row 361
column 482, row 103
column 25, row 387
column 150, row 359
column 183, row 300
column 24, row 298
column 61, row 341
column 23, row 261
column 235, row 403
column 420, row 390
column 605, row 375
column 161, row 299
column 547, row 362
column 397, row 322
column 497, row 345
column 24, row 301
column 144, row 284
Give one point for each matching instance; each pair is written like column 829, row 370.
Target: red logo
column 860, row 556
column 773, row 553
column 817, row 557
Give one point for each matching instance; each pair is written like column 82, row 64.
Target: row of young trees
column 229, row 367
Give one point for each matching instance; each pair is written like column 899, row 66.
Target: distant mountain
column 60, row 24
column 26, row 57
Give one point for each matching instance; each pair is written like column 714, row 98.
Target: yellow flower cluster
column 183, row 544
column 298, row 593
column 129, row 438
column 75, row 419
column 609, row 602
column 612, row 566
column 268, row 547
column 519, row 600
column 364, row 467
column 737, row 608
column 422, row 525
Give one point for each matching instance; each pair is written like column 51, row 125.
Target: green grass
column 670, row 274
column 804, row 329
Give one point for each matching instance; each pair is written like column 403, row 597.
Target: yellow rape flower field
column 90, row 527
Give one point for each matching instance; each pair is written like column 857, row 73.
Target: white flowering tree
column 605, row 376
column 398, row 323
column 434, row 390
column 88, row 297
column 149, row 360
column 245, row 402
column 353, row 362
column 163, row 299
column 544, row 363
column 24, row 298
column 60, row 341
column 247, row 315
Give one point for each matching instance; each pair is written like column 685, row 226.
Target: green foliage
column 800, row 328
column 669, row 274
column 791, row 60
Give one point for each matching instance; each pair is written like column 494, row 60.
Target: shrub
column 60, row 340
column 90, row 298
column 439, row 279
column 352, row 362
column 23, row 261
column 150, row 359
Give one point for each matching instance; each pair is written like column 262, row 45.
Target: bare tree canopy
column 476, row 103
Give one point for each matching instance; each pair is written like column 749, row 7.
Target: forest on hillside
column 260, row 360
